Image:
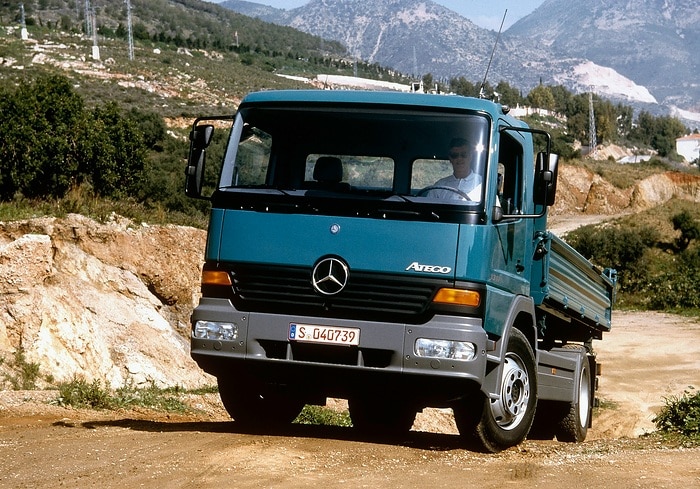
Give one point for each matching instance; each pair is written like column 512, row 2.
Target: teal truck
column 345, row 259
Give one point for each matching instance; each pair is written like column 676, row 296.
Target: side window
column 510, row 176
column 252, row 158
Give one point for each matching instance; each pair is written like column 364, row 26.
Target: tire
column 254, row 404
column 573, row 425
column 381, row 417
column 504, row 422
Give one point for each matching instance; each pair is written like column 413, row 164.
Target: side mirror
column 200, row 138
column 546, row 174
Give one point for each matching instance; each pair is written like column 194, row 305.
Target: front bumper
column 383, row 360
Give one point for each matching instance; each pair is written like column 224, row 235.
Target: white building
column 689, row 147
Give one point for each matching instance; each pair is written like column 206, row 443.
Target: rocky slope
column 103, row 301
column 111, row 301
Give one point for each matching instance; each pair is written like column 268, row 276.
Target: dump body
column 575, row 290
column 346, row 257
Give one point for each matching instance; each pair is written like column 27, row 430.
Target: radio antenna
column 483, row 83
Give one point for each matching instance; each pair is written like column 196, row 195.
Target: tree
column 42, row 138
column 562, row 98
column 50, row 143
column 689, row 228
column 117, row 161
column 541, row 97
column 462, row 86
column 605, row 121
column 668, row 129
column 658, row 132
column 509, row 96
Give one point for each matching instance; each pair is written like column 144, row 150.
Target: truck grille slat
column 289, row 290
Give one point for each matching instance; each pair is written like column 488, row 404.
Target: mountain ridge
column 653, row 49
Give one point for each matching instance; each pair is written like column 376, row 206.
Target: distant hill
column 653, row 42
column 640, row 52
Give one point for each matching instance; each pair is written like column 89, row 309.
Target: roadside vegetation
column 656, row 254
column 79, row 393
column 679, row 418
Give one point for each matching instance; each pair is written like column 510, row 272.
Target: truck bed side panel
column 573, row 287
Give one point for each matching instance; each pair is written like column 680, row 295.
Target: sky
column 484, row 13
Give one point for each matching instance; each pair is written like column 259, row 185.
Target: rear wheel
column 256, row 404
column 504, row 422
column 573, row 425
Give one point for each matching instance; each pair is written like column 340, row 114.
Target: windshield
column 423, row 157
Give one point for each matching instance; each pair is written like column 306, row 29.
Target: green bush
column 681, row 415
column 50, row 143
column 24, row 374
column 623, row 248
column 320, row 415
column 82, row 394
column 677, row 287
column 79, row 393
column 688, row 226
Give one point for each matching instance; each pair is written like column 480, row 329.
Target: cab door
column 509, row 267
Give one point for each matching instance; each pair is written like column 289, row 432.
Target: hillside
column 628, row 37
column 185, row 58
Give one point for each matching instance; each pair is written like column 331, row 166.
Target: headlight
column 445, row 349
column 211, row 330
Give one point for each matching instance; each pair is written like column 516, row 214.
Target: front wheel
column 255, row 404
column 504, row 422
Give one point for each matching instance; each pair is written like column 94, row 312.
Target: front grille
column 370, row 296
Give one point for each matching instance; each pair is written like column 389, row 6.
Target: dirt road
column 646, row 358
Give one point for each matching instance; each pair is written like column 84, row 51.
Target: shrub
column 50, row 143
column 621, row 248
column 320, row 415
column 689, row 228
column 677, row 287
column 24, row 374
column 681, row 415
column 82, row 394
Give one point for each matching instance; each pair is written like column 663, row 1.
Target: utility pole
column 95, row 47
column 130, row 30
column 592, row 140
column 23, row 32
column 88, row 22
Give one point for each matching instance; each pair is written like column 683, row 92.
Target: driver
column 461, row 155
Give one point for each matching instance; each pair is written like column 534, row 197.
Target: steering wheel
column 444, row 187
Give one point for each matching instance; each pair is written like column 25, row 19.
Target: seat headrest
column 328, row 169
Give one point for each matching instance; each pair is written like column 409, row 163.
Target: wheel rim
column 584, row 398
column 510, row 409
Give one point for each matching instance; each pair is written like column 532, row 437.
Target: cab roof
column 378, row 98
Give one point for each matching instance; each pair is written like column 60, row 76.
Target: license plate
column 334, row 335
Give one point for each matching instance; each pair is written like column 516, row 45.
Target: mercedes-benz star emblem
column 330, row 276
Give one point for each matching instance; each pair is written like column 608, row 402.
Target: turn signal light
column 458, row 297
column 216, row 277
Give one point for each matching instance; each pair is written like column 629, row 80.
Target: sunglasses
column 461, row 154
